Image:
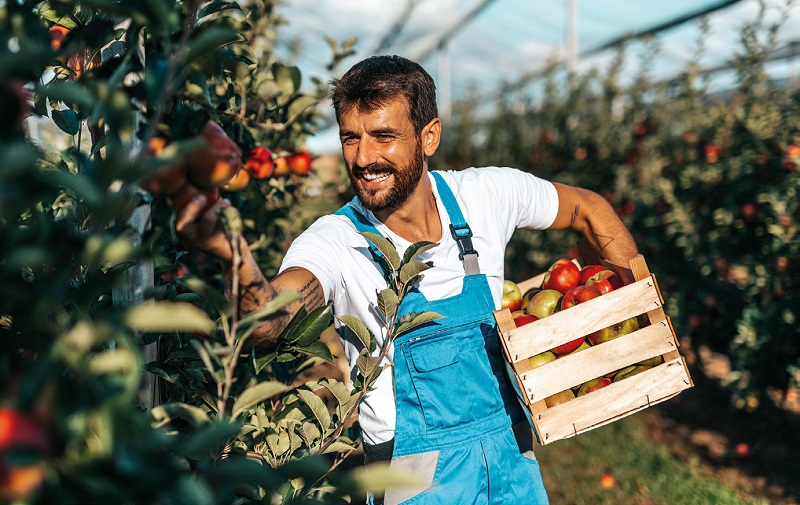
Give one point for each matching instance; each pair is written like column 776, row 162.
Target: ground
column 756, row 452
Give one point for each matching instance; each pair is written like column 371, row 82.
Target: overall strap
column 459, row 228
column 363, row 225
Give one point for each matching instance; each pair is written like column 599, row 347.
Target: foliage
column 92, row 278
column 706, row 180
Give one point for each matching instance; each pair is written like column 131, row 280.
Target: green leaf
column 318, row 407
column 306, row 328
column 208, row 293
column 257, row 394
column 213, row 7
column 411, row 270
column 385, row 247
column 283, row 299
column 210, row 40
column 377, row 477
column 360, row 329
column 69, row 92
column 416, row 249
column 285, row 80
column 317, row 348
column 388, row 302
column 167, row 316
column 366, row 363
column 209, row 439
column 66, row 120
column 169, row 411
column 414, row 319
column 298, row 106
column 101, row 143
column 337, row 446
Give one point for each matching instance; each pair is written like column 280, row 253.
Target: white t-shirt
column 494, row 201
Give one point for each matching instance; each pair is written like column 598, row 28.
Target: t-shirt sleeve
column 315, row 250
column 517, row 199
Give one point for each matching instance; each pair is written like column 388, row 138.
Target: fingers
column 190, row 212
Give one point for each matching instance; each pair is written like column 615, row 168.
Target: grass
column 644, row 473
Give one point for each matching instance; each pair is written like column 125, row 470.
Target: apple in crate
column 605, row 281
column 541, row 359
column 630, row 371
column 544, row 303
column 614, row 331
column 562, row 276
column 512, row 296
column 578, row 294
column 593, row 385
column 588, row 271
column 559, row 398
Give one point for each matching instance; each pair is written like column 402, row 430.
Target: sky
column 512, row 38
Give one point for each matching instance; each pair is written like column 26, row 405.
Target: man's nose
column 367, row 153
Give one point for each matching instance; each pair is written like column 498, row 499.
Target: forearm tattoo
column 574, row 215
column 603, row 241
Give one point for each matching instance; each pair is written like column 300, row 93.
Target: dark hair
column 378, row 80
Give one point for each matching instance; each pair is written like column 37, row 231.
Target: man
column 444, row 409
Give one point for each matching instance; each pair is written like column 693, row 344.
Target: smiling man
column 444, row 409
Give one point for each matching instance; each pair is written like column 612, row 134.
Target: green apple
column 512, row 296
column 544, row 303
column 656, row 360
column 630, row 371
column 615, row 330
column 541, row 358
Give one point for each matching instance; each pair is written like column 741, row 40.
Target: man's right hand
column 202, row 228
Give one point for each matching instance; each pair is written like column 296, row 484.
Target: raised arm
column 591, row 215
column 204, row 230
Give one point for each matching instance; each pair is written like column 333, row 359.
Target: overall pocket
column 452, row 377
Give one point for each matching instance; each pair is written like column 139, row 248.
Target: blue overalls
column 455, row 407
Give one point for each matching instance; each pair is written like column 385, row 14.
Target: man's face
column 383, row 154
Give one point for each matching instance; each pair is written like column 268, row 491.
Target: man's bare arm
column 204, row 230
column 591, row 215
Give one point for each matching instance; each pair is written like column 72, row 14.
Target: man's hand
column 203, row 229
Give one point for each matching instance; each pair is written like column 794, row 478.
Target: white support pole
column 445, row 84
column 571, row 56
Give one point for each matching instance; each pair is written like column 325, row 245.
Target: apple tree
column 97, row 98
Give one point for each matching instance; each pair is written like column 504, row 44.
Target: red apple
column 544, row 303
column 588, row 271
column 559, row 398
column 571, row 346
column 615, row 330
column 605, row 281
column 512, row 296
column 593, row 385
column 562, row 276
column 578, row 294
column 524, row 319
column 541, row 358
column 584, row 345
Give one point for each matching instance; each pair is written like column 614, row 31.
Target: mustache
column 372, row 167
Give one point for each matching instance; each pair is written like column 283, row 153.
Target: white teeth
column 375, row 177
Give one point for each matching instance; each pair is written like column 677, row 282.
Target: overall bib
column 455, row 406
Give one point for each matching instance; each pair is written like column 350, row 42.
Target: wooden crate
column 655, row 337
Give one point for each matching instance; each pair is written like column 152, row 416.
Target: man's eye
column 349, row 141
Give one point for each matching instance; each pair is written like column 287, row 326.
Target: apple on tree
column 512, row 296
column 213, row 165
column 562, row 276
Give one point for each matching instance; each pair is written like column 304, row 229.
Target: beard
column 405, row 182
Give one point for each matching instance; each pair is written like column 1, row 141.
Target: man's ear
column 430, row 136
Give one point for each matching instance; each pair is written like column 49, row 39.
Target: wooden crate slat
column 596, row 361
column 582, row 319
column 611, row 402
